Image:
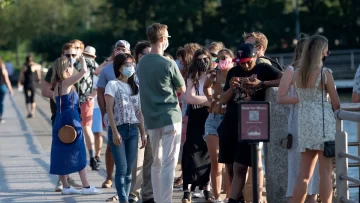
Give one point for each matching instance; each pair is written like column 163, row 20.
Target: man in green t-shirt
column 47, row 91
column 159, row 80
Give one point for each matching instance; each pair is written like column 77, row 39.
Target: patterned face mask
column 203, row 64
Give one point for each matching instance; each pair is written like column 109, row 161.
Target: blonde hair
column 216, row 45
column 298, row 50
column 311, row 56
column 74, row 41
column 260, row 38
column 226, row 51
column 59, row 68
column 155, row 32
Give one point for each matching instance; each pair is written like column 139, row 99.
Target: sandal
column 112, row 199
column 107, row 184
column 178, row 182
column 207, row 196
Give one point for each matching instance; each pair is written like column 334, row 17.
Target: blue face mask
column 128, row 71
column 72, row 61
column 181, row 67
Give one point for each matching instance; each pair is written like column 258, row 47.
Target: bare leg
column 64, row 181
column 326, row 168
column 109, row 162
column 307, row 165
column 212, row 142
column 33, row 108
column 83, row 178
column 89, row 137
column 98, row 143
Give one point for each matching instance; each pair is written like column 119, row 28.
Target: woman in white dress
column 316, row 121
column 287, row 89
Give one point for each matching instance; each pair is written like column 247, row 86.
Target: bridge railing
column 348, row 112
column 343, row 63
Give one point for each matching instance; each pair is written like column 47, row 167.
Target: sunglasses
column 213, row 55
column 72, row 55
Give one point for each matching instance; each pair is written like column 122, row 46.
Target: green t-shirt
column 159, row 78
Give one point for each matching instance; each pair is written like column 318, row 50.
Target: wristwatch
column 262, row 83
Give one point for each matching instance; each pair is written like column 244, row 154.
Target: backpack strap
column 273, row 61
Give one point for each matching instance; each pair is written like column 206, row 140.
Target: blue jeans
column 3, row 91
column 124, row 157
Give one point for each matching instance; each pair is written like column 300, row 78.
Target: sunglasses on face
column 72, row 55
column 214, row 55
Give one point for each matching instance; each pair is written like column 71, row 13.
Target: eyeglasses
column 128, row 64
column 72, row 55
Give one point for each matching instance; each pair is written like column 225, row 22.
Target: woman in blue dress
column 68, row 158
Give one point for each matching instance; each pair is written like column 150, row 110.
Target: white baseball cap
column 89, row 50
column 123, row 43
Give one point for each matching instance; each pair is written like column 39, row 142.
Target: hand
column 234, row 82
column 253, row 83
column 117, row 138
column 83, row 64
column 11, row 92
column 143, row 141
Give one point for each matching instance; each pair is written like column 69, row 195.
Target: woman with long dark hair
column 124, row 120
column 27, row 79
column 195, row 159
column 5, row 86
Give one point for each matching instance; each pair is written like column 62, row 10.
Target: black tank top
column 28, row 76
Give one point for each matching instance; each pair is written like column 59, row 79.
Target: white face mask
column 166, row 45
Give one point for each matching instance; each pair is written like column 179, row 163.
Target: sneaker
column 59, row 186
column 91, row 191
column 94, row 164
column 69, row 191
column 97, row 159
column 73, row 183
column 198, row 193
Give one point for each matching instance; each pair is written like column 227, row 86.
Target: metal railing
column 343, row 63
column 348, row 112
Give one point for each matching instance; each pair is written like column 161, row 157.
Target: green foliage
column 45, row 25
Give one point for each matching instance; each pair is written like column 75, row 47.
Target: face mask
column 181, row 67
column 72, row 61
column 128, row 71
column 324, row 58
column 225, row 64
column 166, row 45
column 203, row 64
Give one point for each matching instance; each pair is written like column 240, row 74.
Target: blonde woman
column 68, row 158
column 313, row 84
column 294, row 155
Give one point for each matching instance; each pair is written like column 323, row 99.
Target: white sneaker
column 91, row 191
column 70, row 191
column 198, row 193
column 59, row 186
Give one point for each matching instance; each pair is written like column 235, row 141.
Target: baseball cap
column 245, row 52
column 123, row 43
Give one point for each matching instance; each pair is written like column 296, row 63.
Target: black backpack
column 275, row 63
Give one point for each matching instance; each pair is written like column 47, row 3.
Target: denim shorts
column 212, row 123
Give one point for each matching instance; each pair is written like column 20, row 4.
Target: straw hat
column 89, row 50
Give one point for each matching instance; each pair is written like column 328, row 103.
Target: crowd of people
column 157, row 110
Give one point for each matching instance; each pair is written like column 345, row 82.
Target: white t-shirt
column 126, row 105
column 95, row 80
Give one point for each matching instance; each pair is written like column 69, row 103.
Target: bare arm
column 101, row 100
column 226, row 96
column 101, row 66
column 68, row 82
column 46, row 90
column 207, row 87
column 285, row 83
column 7, row 81
column 191, row 96
column 38, row 73
column 181, row 89
column 21, row 76
column 142, row 130
column 331, row 89
column 110, row 112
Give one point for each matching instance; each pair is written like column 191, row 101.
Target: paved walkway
column 25, row 161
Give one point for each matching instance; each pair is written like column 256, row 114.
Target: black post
column 254, row 161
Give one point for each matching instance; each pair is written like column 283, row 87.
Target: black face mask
column 324, row 58
column 203, row 64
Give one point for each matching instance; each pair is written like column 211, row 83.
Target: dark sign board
column 254, row 122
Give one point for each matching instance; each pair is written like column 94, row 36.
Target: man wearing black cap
column 246, row 82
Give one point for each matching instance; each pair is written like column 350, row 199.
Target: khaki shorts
column 86, row 110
